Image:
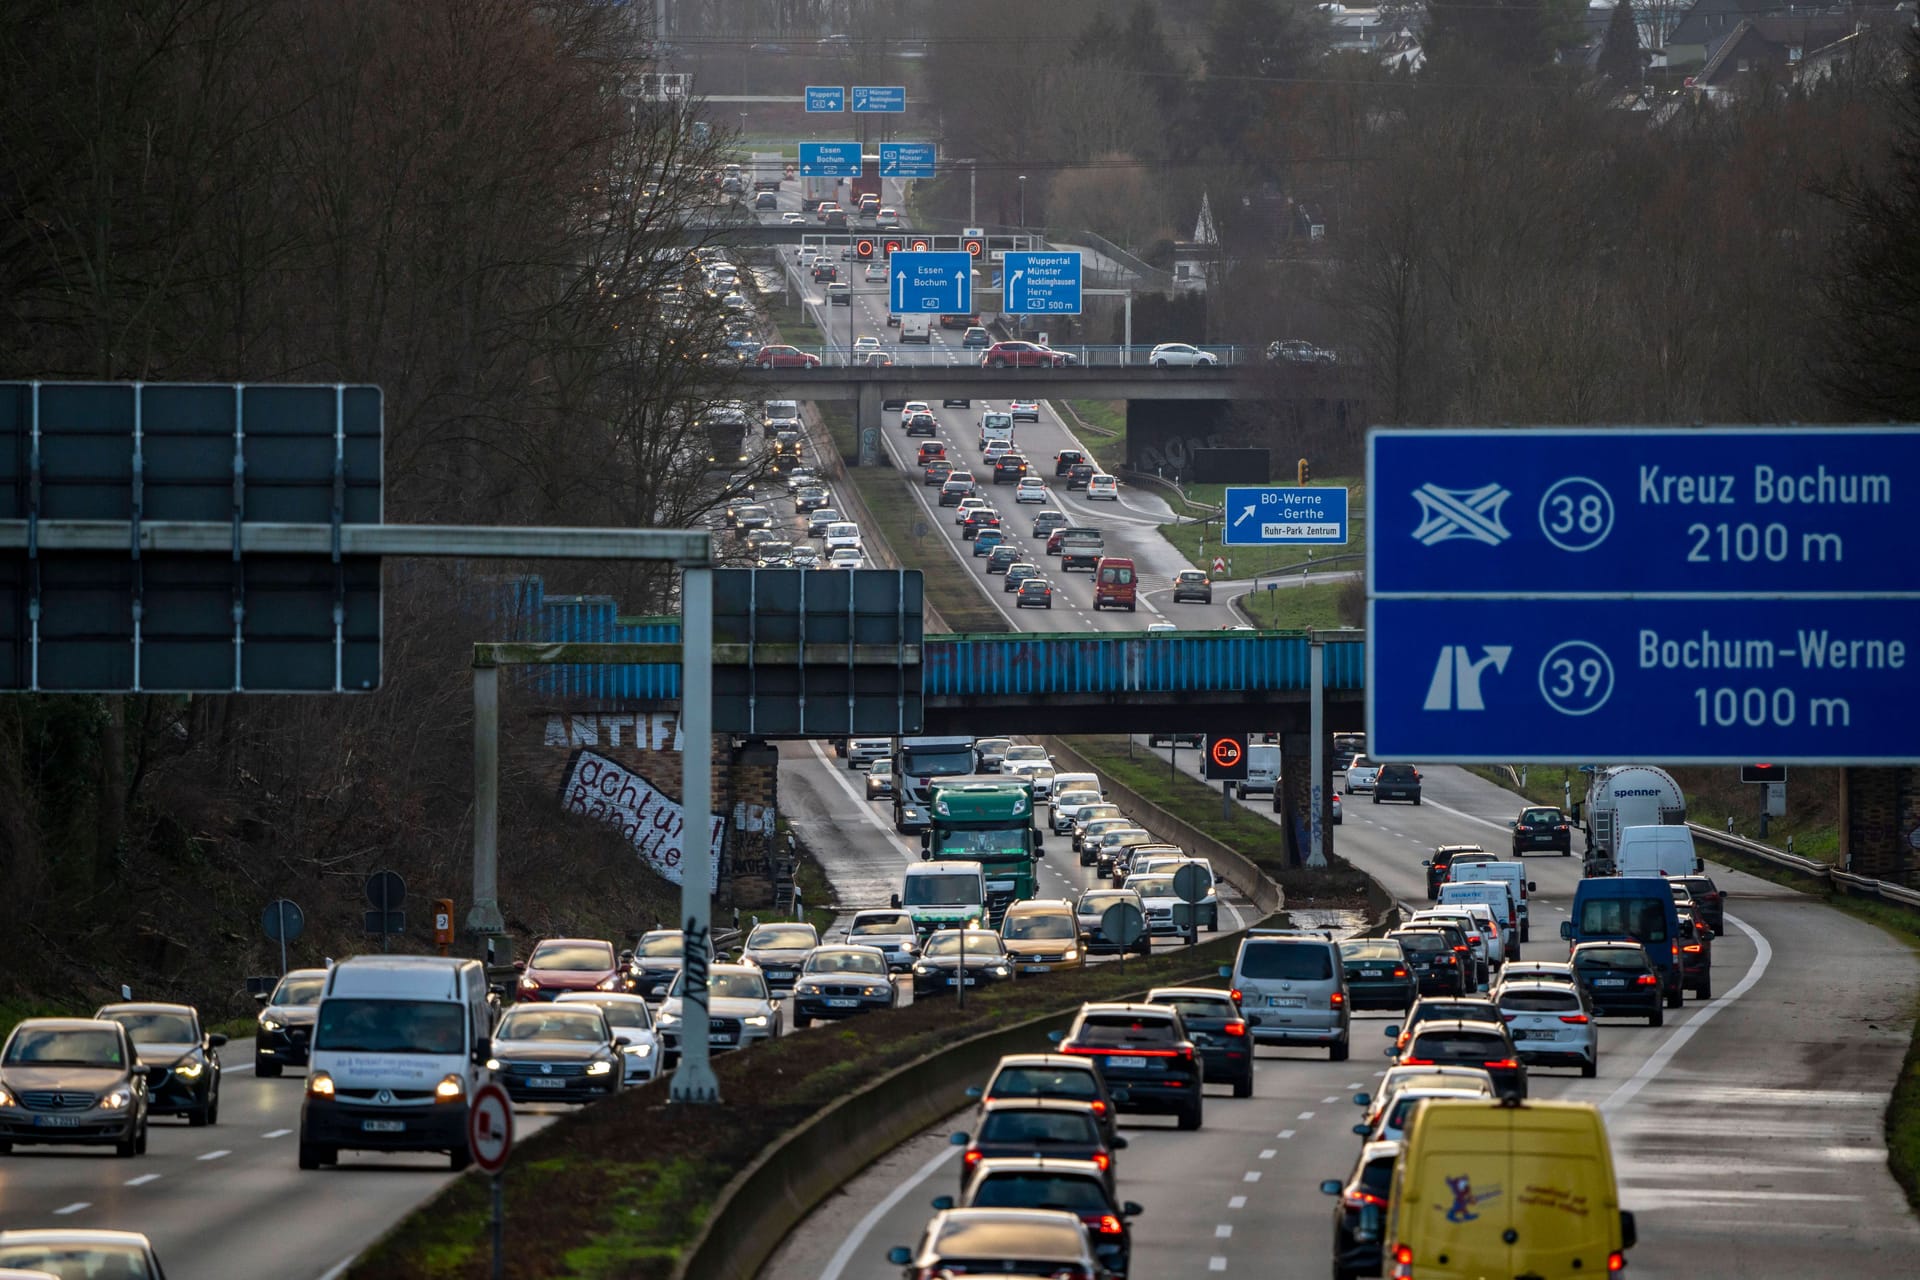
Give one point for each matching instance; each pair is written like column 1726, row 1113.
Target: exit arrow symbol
column 1242, row 517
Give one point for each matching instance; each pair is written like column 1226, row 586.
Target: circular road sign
column 1225, row 752
column 1190, row 882
column 386, row 891
column 283, row 920
column 1122, row 923
column 490, row 1127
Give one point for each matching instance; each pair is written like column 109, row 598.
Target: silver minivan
column 1293, row 988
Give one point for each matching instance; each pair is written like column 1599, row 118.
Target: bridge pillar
column 869, row 419
column 1296, row 767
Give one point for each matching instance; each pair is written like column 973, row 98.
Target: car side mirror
column 894, row 902
column 1426, row 862
column 899, row 1256
column 1131, row 1209
column 497, row 990
column 1362, row 1099
column 626, row 958
column 943, row 1202
column 926, row 854
column 1629, row 1230
column 960, row 1139
column 1119, row 1144
column 1392, row 1031
column 976, row 1092
column 1532, row 887
column 217, row 1039
column 519, row 966
column 1226, row 971
column 260, row 997
column 1056, row 1036
column 1331, row 1187
column 1566, row 930
column 1363, row 1129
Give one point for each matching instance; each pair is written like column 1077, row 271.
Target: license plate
column 717, row 1037
column 842, row 1002
column 1372, row 973
column 383, row 1126
column 544, row 1082
column 779, row 974
column 1126, row 1060
column 57, row 1122
column 1033, row 968
column 1609, row 982
column 1287, row 1002
column 972, row 982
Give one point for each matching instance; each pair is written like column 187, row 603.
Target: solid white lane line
column 857, row 1238
column 75, row 1207
column 1238, row 1202
column 215, row 1155
column 142, row 1180
column 1658, row 1060
column 860, row 802
column 276, row 1133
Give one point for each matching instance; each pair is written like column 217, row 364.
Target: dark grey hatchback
column 1397, row 782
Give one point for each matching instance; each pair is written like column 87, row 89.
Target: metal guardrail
column 1809, row 867
column 1093, row 356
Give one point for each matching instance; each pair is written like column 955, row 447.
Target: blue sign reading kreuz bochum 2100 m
column 1713, row 510
column 1683, row 681
column 1285, row 515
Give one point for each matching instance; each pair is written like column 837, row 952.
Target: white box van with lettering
column 1657, row 851
column 400, row 1043
column 1497, row 897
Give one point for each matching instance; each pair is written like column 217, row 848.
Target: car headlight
column 1071, row 953
column 923, row 969
column 320, row 1085
column 599, row 1068
column 450, row 1089
column 6, row 1098
column 270, row 1023
column 529, row 983
column 190, row 1070
column 611, row 982
column 997, row 970
column 493, row 1064
column 873, row 991
column 117, row 1100
column 758, row 1020
column 637, row 1050
column 666, row 1019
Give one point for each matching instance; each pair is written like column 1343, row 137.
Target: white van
column 1515, row 876
column 916, row 328
column 995, row 428
column 400, row 1043
column 1656, row 851
column 862, row 752
column 1263, row 769
column 1497, row 897
column 944, row 895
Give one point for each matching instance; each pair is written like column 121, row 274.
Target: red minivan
column 1113, row 583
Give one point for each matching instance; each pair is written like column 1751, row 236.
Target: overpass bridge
column 872, row 388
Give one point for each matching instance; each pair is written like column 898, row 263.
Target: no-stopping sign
column 490, row 1127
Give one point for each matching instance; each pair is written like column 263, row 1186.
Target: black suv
column 1620, row 981
column 1066, row 460
column 1144, row 1049
column 1192, row 584
column 1078, row 475
column 1542, row 827
column 1438, row 865
column 1009, row 466
column 1397, row 782
column 1450, row 1042
column 1437, row 971
column 1219, row 1030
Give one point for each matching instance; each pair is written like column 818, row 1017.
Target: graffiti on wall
column 596, row 787
column 648, row 731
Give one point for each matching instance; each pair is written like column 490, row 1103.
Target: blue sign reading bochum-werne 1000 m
column 1683, row 681
column 931, row 282
column 1285, row 515
column 1643, row 511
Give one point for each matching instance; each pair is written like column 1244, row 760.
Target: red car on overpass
column 1021, row 355
column 784, row 357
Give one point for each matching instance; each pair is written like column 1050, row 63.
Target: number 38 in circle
column 1576, row 514
column 1576, row 678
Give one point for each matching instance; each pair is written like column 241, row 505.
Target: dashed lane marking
column 142, row 1180
column 73, row 1208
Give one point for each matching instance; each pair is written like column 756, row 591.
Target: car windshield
column 1068, row 799
column 1125, row 1029
column 1025, row 752
column 846, row 962
column 1287, row 961
column 727, row 985
column 1643, row 919
column 155, row 1028
column 1458, row 1046
column 1611, row 958
column 1470, row 1010
column 1202, row 1006
column 555, row 1022
column 1039, row 925
column 631, row 1014
column 868, row 926
column 571, row 955
column 390, row 1026
column 1094, row 814
column 666, row 944
column 1363, row 951
column 1041, row 1191
column 942, row 891
column 782, row 937
column 101, row 1261
column 1042, row 1127
column 36, row 1047
column 1540, row 817
column 297, row 989
column 1152, row 886
column 1539, row 1001
column 1397, row 773
column 937, row 761
column 1421, row 942
column 1094, row 904
column 1044, row 1082
column 979, row 941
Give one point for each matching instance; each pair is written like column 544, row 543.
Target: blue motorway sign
column 830, row 159
column 1684, row 681
column 1717, row 510
column 879, row 97
column 1285, row 515
column 906, row 159
column 826, row 97
column 1043, row 284
column 941, row 282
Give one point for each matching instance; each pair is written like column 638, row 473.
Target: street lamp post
column 1023, row 199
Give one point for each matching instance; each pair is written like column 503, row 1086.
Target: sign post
column 283, row 922
column 490, row 1141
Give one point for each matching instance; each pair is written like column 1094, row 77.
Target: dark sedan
column 1542, row 827
column 1709, row 901
column 1035, row 593
column 656, row 961
column 556, row 1053
column 1397, row 782
column 780, row 949
column 1219, row 1030
column 1436, row 969
column 72, row 1081
column 1441, row 863
column 286, row 1022
column 182, row 1058
column 1002, row 558
column 1452, row 1043
column 1620, row 981
column 1037, row 1128
column 1360, row 1219
column 841, row 982
column 1378, row 975
column 1091, row 912
column 1696, row 956
column 1078, row 1187
column 1052, row 1075
column 953, row 957
column 1144, row 1049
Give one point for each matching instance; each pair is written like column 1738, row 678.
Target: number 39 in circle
column 1576, row 678
column 1576, row 514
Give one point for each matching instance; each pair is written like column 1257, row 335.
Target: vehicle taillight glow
column 1100, row 1108
column 1403, row 1255
column 970, row 1159
column 1362, row 1199
column 1647, row 980
column 1507, row 1017
column 1234, row 1029
column 1337, row 999
column 1459, row 948
column 1235, row 993
column 1399, row 973
column 1102, row 1161
column 1501, row 1064
column 1573, row 1017
column 1692, row 948
column 1616, row 1261
column 1416, row 1062
column 1110, row 1225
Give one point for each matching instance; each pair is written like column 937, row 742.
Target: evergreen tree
column 1620, row 53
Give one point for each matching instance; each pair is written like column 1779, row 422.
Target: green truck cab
column 990, row 820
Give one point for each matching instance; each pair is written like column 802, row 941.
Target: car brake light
column 1399, row 973
column 1102, row 1161
column 1110, row 1225
column 1507, row 1017
column 1647, row 980
column 1234, row 1029
column 1235, row 994
column 1416, row 1062
column 1403, row 1255
column 1692, row 948
column 1337, row 999
column 1100, row 1108
column 1362, row 1199
column 1616, row 1261
column 1459, row 948
column 970, row 1159
column 1501, row 1064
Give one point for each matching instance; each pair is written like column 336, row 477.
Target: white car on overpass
column 1170, row 355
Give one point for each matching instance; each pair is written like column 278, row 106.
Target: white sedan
column 632, row 1026
column 1031, row 489
column 741, row 1009
column 792, row 216
column 846, row 558
column 865, row 344
column 1027, row 409
column 1173, row 354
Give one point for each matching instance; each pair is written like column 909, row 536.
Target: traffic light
column 1763, row 773
column 1302, row 472
column 975, row 247
column 863, row 249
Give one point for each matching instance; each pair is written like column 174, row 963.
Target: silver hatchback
column 1293, row 988
column 1551, row 1025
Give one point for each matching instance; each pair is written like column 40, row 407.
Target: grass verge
column 948, row 588
column 621, row 1188
column 1250, row 562
column 1197, row 804
column 1316, row 607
